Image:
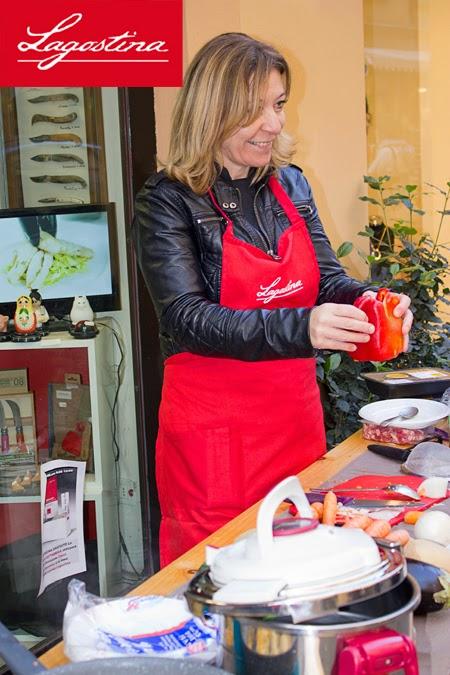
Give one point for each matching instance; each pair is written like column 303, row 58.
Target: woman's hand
column 402, row 310
column 336, row 326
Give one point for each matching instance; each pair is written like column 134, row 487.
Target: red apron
column 230, row 429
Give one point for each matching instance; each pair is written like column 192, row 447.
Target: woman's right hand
column 336, row 326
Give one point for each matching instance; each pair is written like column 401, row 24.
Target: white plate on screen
column 429, row 413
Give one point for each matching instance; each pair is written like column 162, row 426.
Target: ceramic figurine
column 81, row 310
column 38, row 308
column 24, row 317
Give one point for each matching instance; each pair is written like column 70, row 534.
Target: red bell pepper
column 386, row 342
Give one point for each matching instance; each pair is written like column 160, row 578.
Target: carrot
column 378, row 528
column 318, row 507
column 315, row 512
column 329, row 509
column 399, row 536
column 362, row 521
column 411, row 517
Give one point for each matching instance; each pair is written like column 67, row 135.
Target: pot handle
column 376, row 653
column 289, row 488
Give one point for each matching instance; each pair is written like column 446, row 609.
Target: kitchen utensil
column 303, row 625
column 396, row 488
column 32, row 226
column 3, row 431
column 287, row 573
column 430, row 412
column 390, row 451
column 20, row 440
column 382, row 503
column 23, row 662
column 265, row 647
column 404, row 414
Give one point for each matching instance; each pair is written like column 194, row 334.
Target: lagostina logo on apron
column 268, row 293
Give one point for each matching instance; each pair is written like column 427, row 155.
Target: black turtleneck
column 246, row 193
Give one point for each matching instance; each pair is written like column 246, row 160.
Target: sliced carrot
column 411, row 517
column 378, row 528
column 362, row 521
column 315, row 512
column 318, row 507
column 329, row 509
column 399, row 536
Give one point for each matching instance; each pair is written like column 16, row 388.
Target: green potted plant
column 407, row 262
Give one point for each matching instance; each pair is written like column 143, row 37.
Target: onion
column 434, row 526
column 434, row 487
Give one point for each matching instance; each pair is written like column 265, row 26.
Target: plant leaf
column 333, row 362
column 344, row 249
column 370, row 199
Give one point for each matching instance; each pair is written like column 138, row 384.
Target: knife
column 20, row 440
column 3, row 430
column 32, row 226
column 374, row 503
column 398, row 454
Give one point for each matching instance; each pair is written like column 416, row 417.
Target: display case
column 83, row 370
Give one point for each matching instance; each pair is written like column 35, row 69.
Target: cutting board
column 372, row 481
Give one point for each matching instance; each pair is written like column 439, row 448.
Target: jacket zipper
column 270, row 250
column 208, row 219
column 305, row 208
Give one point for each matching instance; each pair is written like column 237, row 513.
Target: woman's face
column 252, row 146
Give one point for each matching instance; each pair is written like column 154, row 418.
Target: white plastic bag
column 151, row 625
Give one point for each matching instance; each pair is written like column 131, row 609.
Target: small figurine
column 81, row 310
column 39, row 309
column 25, row 323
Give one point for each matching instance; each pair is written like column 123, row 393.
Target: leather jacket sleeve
column 169, row 260
column 335, row 284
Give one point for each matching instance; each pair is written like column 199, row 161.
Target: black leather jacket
column 178, row 239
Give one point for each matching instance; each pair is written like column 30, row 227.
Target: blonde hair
column 222, row 90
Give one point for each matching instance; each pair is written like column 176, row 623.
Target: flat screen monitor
column 62, row 252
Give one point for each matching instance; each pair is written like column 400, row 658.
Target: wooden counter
column 181, row 570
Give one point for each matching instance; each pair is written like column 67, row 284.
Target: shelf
column 62, row 339
column 92, row 490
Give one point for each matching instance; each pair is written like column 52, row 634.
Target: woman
column 246, row 287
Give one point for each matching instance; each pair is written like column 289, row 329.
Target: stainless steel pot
column 278, row 616
column 382, row 628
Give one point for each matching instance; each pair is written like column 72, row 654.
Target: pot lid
column 296, row 566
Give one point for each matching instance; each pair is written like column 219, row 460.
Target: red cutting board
column 372, row 481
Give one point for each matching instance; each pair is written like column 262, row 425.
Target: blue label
column 179, row 637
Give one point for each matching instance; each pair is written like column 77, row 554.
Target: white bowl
column 429, row 413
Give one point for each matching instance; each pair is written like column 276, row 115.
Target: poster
column 63, row 554
column 53, row 145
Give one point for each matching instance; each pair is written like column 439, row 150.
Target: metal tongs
column 32, row 226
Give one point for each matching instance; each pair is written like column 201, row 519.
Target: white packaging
column 150, row 625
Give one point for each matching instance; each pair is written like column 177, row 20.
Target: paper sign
column 63, row 553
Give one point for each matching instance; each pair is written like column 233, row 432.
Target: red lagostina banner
column 132, row 43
